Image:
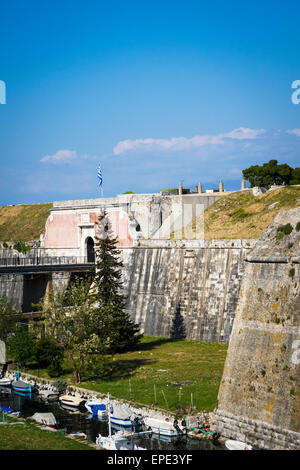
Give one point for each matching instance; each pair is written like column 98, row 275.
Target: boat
column 237, row 445
column 5, row 382
column 48, row 395
column 124, row 416
column 163, row 427
column 5, row 409
column 23, row 387
column 121, row 440
column 70, row 401
column 48, row 419
column 5, row 390
column 97, row 408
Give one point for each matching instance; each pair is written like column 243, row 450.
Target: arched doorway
column 90, row 253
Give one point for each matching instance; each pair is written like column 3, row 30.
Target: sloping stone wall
column 259, row 396
column 197, row 281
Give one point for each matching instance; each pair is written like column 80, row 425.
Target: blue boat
column 7, row 410
column 20, row 386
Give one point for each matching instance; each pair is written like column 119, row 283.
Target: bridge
column 45, row 264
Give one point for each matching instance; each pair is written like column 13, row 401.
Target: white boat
column 5, row 382
column 163, row 427
column 122, row 415
column 48, row 395
column 121, row 440
column 48, row 419
column 97, row 408
column 237, row 445
column 70, row 401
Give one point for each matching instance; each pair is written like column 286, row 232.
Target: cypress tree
column 108, row 287
column 178, row 327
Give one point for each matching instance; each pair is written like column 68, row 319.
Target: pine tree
column 108, row 287
column 178, row 327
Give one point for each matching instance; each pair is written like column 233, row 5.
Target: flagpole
column 99, row 174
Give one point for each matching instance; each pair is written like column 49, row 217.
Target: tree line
column 271, row 173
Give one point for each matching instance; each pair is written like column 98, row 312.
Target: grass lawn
column 151, row 374
column 28, row 436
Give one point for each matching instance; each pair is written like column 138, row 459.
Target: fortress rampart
column 259, row 396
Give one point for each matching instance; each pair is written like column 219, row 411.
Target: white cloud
column 184, row 143
column 294, row 131
column 243, row 133
column 60, row 156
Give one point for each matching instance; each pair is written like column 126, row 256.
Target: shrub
column 292, row 272
column 46, row 351
column 21, row 346
column 55, row 368
column 21, row 247
column 298, row 226
column 285, row 229
column 60, row 385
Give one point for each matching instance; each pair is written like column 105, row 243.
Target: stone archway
column 90, row 252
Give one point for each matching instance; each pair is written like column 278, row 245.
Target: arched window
column 90, row 253
column 138, row 228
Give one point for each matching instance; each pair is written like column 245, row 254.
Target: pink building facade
column 71, row 229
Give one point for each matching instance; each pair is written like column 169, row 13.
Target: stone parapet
column 257, row 433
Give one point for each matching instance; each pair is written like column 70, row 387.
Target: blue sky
column 157, row 91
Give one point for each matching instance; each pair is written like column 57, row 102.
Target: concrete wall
column 199, row 280
column 259, row 397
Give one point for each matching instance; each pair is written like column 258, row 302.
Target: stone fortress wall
column 198, row 283
column 259, row 396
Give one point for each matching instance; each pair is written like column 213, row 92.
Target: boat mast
column 109, row 425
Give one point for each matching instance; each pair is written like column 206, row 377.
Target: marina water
column 80, row 421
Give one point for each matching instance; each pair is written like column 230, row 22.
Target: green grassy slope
column 23, row 222
column 242, row 215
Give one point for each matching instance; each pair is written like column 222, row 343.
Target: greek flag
column 99, row 174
